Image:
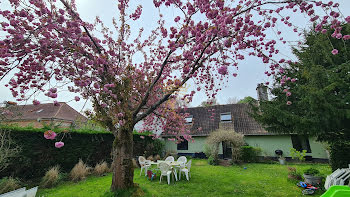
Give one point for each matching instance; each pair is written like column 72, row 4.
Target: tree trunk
column 123, row 170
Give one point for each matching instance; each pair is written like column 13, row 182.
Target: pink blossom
column 334, row 51
column 346, row 37
column 288, row 93
column 36, row 102
column 177, row 19
column 289, row 102
column 76, row 98
column 142, row 137
column 347, row 19
column 293, row 80
column 50, row 135
column 223, row 70
column 59, row 144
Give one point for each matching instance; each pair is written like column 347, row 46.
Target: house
column 61, row 115
column 235, row 117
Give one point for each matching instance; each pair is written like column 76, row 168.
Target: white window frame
column 226, row 114
column 187, row 118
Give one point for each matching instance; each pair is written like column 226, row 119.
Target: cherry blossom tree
column 48, row 47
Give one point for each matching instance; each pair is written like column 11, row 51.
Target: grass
column 257, row 180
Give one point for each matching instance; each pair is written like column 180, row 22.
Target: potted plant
column 312, row 176
column 282, row 160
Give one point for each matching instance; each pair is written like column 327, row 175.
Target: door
column 227, row 150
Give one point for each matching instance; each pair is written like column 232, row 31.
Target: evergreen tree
column 315, row 98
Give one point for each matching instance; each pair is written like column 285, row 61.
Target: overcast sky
column 250, row 73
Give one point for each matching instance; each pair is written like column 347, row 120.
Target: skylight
column 225, row 117
column 189, row 119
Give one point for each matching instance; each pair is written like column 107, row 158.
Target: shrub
column 297, row 154
column 8, row 149
column 339, row 154
column 312, row 171
column 209, row 150
column 101, row 168
column 250, row 153
column 213, row 161
column 79, row 172
column 51, row 177
column 8, row 184
column 150, row 158
column 236, row 140
column 293, row 175
column 157, row 157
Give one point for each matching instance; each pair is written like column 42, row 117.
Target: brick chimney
column 262, row 92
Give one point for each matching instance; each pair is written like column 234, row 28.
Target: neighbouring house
column 37, row 116
column 235, row 117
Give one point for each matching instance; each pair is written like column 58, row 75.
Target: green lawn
column 257, row 180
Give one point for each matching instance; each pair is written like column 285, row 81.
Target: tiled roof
column 241, row 121
column 45, row 111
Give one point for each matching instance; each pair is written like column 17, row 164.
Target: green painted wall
column 268, row 144
column 196, row 146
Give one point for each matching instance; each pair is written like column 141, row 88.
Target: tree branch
column 166, row 96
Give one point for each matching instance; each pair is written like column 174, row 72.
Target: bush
column 339, row 155
column 297, row 154
column 79, row 172
column 293, row 175
column 312, row 171
column 51, row 177
column 8, row 184
column 218, row 136
column 101, row 168
column 213, row 161
column 250, row 153
column 8, row 149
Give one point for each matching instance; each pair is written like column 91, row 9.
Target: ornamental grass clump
column 101, row 168
column 79, row 172
column 8, row 184
column 51, row 178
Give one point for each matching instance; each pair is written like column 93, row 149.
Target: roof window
column 226, row 117
column 189, row 119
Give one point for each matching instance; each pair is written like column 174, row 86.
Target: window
column 226, row 117
column 301, row 143
column 189, row 119
column 183, row 145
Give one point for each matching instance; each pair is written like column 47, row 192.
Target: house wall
column 269, row 144
column 193, row 147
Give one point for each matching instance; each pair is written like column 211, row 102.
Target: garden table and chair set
column 168, row 167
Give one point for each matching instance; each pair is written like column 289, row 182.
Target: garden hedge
column 39, row 154
column 340, row 155
column 250, row 154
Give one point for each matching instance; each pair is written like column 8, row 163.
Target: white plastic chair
column 32, row 192
column 182, row 160
column 186, row 170
column 165, row 170
column 16, row 193
column 170, row 159
column 145, row 164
